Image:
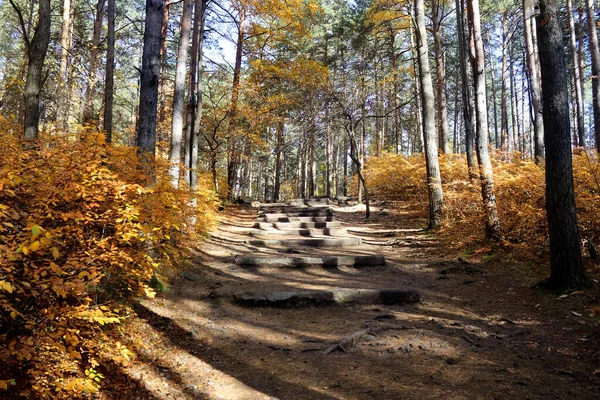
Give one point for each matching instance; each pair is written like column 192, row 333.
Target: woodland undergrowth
column 520, row 198
column 82, row 233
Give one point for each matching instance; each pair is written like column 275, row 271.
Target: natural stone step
column 296, row 225
column 315, row 242
column 265, row 233
column 284, row 206
column 303, row 298
column 283, row 218
column 296, row 212
column 303, row 262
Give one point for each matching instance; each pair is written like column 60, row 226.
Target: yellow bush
column 519, row 192
column 81, row 233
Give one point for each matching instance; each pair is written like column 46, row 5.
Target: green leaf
column 36, row 230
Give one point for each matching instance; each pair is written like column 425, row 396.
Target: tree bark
column 279, row 141
column 581, row 68
column 434, row 182
column 179, row 93
column 110, row 72
column 90, row 94
column 595, row 52
column 440, row 68
column 566, row 266
column 63, row 78
column 531, row 51
column 504, row 134
column 163, row 66
column 37, row 48
column 149, row 78
column 232, row 151
column 576, row 78
column 494, row 97
column 467, row 104
column 492, row 223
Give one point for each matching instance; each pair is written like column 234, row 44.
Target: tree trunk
column 434, row 182
column 63, row 78
column 467, row 104
column 581, row 70
column 233, row 151
column 149, row 77
column 440, row 68
column 179, row 93
column 110, row 72
column 398, row 143
column 278, row 147
column 534, row 80
column 576, row 79
column 164, row 64
column 566, row 266
column 89, row 114
column 595, row 52
column 504, row 134
column 492, row 223
column 194, row 106
column 37, row 48
column 494, row 98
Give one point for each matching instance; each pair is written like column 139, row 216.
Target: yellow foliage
column 520, row 194
column 81, row 231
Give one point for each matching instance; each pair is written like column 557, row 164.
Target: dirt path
column 479, row 332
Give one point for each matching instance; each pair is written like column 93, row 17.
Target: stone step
column 303, row 262
column 309, row 212
column 303, row 298
column 265, row 233
column 296, row 210
column 314, row 242
column 296, row 225
column 283, row 218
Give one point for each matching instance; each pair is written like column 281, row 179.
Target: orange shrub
column 519, row 192
column 81, row 233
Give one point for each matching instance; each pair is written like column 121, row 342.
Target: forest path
column 479, row 331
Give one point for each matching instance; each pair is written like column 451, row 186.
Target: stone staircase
column 296, row 227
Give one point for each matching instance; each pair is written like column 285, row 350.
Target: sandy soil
column 480, row 331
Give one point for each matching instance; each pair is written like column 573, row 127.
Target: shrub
column 520, row 194
column 82, row 232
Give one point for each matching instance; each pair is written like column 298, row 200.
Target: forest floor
column 479, row 332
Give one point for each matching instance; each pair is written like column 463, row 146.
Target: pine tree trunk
column 576, row 78
column 504, row 134
column 581, row 70
column 595, row 52
column 566, row 267
column 232, row 151
column 179, row 93
column 163, row 67
column 110, row 72
column 440, row 68
column 278, row 148
column 37, row 48
column 89, row 113
column 149, row 78
column 492, row 223
column 534, row 80
column 65, row 48
column 434, row 182
column 494, row 99
column 467, row 105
